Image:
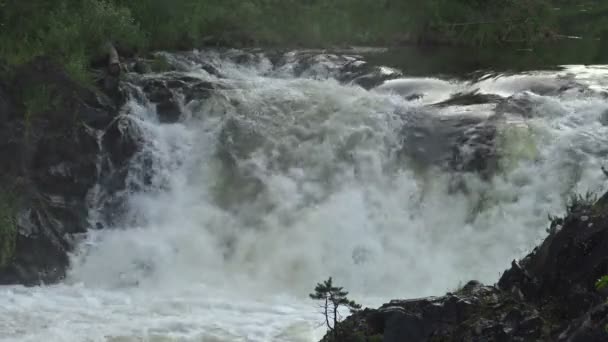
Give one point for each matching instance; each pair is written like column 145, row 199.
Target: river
column 280, row 178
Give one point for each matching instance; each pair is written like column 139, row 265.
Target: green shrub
column 73, row 32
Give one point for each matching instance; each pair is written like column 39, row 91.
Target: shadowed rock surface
column 50, row 151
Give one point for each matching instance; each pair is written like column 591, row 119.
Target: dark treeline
column 74, row 31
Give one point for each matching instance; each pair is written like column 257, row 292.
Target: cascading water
column 271, row 182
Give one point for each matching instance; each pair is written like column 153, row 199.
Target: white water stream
column 222, row 248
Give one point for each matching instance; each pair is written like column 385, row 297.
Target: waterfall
column 258, row 175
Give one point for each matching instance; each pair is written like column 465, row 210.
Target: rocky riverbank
column 53, row 143
column 549, row 295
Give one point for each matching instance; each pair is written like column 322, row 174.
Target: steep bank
column 550, row 295
column 51, row 128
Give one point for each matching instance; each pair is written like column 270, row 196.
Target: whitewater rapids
column 276, row 182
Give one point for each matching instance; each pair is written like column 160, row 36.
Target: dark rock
column 168, row 111
column 171, row 90
column 367, row 76
column 592, row 327
column 469, row 98
column 348, row 69
column 140, row 66
column 50, row 136
column 199, row 91
column 167, row 104
column 121, row 140
column 604, row 118
column 456, row 143
column 521, row 104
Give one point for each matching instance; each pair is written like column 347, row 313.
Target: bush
column 602, row 283
column 73, row 32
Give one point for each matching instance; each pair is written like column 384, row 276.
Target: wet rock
column 523, row 105
column 50, row 140
column 593, row 327
column 172, row 90
column 604, row 118
column 199, row 91
column 165, row 99
column 365, row 75
column 457, row 143
column 346, row 68
column 140, row 66
column 121, row 140
column 469, row 98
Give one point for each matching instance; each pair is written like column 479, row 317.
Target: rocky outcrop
column 50, row 129
column 547, row 296
column 346, row 68
column 169, row 92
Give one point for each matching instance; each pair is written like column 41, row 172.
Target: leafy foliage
column 70, row 31
column 332, row 298
column 602, row 283
column 73, row 31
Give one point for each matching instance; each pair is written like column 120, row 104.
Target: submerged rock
column 547, row 296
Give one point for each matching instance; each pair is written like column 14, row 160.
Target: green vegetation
column 74, row 31
column 36, row 101
column 602, row 283
column 8, row 228
column 71, row 31
column 332, row 298
column 160, row 64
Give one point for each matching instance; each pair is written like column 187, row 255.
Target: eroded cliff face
column 51, row 129
column 549, row 295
